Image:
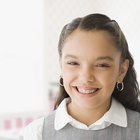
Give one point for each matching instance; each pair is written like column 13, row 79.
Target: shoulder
column 132, row 113
column 133, row 121
column 34, row 130
column 133, row 117
column 50, row 116
column 49, row 120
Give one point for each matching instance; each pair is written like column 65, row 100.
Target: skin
column 90, row 62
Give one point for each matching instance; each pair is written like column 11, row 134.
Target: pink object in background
column 7, row 124
column 28, row 120
column 52, row 103
column 19, row 123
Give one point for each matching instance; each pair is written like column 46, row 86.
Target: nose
column 87, row 75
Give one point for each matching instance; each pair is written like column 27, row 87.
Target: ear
column 123, row 70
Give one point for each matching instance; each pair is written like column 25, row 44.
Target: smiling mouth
column 86, row 90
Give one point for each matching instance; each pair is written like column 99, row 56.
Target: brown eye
column 72, row 63
column 103, row 65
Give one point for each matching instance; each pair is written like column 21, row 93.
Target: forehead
column 90, row 43
column 95, row 36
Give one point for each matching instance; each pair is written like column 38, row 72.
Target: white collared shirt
column 116, row 115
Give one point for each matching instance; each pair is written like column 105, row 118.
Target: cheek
column 68, row 75
column 111, row 84
column 68, row 78
column 109, row 81
column 67, row 71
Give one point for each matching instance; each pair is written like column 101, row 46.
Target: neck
column 87, row 116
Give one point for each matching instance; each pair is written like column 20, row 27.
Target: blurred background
column 29, row 63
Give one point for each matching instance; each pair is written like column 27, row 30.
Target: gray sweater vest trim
column 113, row 132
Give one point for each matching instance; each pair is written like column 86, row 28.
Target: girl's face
column 91, row 66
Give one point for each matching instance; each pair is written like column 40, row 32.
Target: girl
column 99, row 91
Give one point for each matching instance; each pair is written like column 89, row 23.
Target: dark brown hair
column 129, row 95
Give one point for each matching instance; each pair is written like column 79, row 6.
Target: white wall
column 21, row 55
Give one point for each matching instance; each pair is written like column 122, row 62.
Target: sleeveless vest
column 113, row 132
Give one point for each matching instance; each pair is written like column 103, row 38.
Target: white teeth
column 86, row 91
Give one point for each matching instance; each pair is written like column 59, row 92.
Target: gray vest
column 113, row 132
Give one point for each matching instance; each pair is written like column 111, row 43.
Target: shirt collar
column 116, row 115
column 61, row 116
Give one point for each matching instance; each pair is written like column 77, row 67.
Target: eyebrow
column 98, row 59
column 105, row 58
column 70, row 56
